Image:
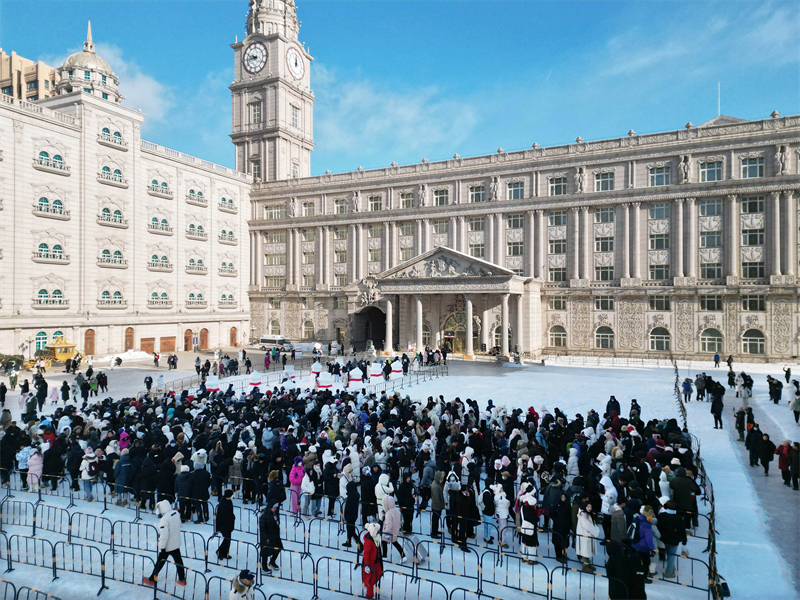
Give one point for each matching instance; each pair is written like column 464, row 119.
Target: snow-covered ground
column 748, row 556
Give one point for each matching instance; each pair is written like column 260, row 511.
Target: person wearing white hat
column 89, row 470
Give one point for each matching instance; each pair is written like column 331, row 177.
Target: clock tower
column 273, row 104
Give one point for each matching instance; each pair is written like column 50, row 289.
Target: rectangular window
column 340, row 206
column 711, row 207
column 604, row 215
column 477, row 223
column 308, row 209
column 659, row 303
column 87, row 75
column 407, row 200
column 516, row 190
column 275, row 211
column 441, row 226
column 558, row 246
column 753, row 270
column 340, row 256
column 710, row 239
column 659, row 176
column 306, row 303
column 406, row 254
column 604, row 273
column 477, row 250
column 340, row 233
column 7, row 90
column 517, row 272
column 659, row 241
column 340, row 302
column 557, row 303
column 558, row 274
column 375, row 203
column 32, row 85
column 308, row 258
column 105, row 96
column 710, row 171
column 557, row 217
column 309, row 235
column 659, row 211
column 752, row 205
column 407, row 228
column 295, row 116
column 477, row 194
column 752, row 167
column 340, row 279
column 603, row 182
column 257, row 170
column 275, row 281
column 558, row 186
column 753, row 303
column 710, row 302
column 87, row 90
column 604, row 302
column 441, row 197
column 275, row 237
column 375, row 255
column 375, row 231
column 255, row 113
column 604, row 244
column 659, row 272
column 308, row 281
column 514, row 222
column 710, row 271
column 103, row 78
column 274, row 303
column 514, row 249
column 275, row 259
column 752, row 237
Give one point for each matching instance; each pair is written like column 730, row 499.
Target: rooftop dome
column 87, row 59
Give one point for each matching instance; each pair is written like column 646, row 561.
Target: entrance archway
column 88, row 342
column 203, row 342
column 129, row 339
column 187, row 340
column 234, row 336
column 455, row 333
column 369, row 324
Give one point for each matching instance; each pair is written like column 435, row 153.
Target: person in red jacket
column 783, row 461
column 371, row 562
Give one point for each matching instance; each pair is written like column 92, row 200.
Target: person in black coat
column 351, row 515
column 271, row 544
column 224, row 524
column 183, row 491
column 74, row 459
column 369, row 502
column 405, row 501
column 613, row 406
column 753, row 444
column 165, row 481
column 766, row 453
column 562, row 525
column 201, row 480
column 330, row 483
column 65, row 391
column 52, row 465
column 276, row 493
column 621, row 570
column 716, row 409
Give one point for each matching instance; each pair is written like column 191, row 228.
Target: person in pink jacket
column 296, row 480
column 35, row 462
column 391, row 528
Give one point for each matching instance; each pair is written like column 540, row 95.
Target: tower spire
column 88, row 45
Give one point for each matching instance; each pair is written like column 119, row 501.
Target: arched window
column 154, row 259
column 58, row 207
column 558, row 336
column 117, row 256
column 659, row 339
column 106, row 254
column 164, row 261
column 154, row 222
column 41, row 340
column 106, row 213
column 199, row 297
column 604, row 338
column 497, row 331
column 106, row 172
column 154, row 184
column 117, row 175
column 223, row 234
column 223, row 201
column 230, row 236
column 57, row 296
column 44, row 158
column 44, row 250
column 191, row 297
column 224, row 266
column 191, row 193
column 308, row 330
column 117, row 136
column 199, row 263
column 106, row 131
column 57, row 334
column 58, row 251
column 58, row 161
column 191, row 228
column 43, row 295
column 274, row 327
column 164, row 187
column 753, row 342
column 711, row 341
column 117, row 216
column 199, row 230
column 117, row 296
column 44, row 205
column 199, row 194
column 164, row 224
column 154, row 296
column 105, row 295
column 164, row 296
column 191, row 263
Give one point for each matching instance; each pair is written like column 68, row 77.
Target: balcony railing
column 112, row 303
column 160, row 229
column 56, row 303
column 46, row 164
column 194, row 235
column 228, row 208
column 110, row 262
column 112, row 221
column 196, row 200
column 159, row 191
column 112, row 179
column 51, row 212
column 196, row 303
column 228, row 272
column 159, row 303
column 159, row 267
column 113, row 142
column 227, row 303
column 56, row 258
column 195, row 270
column 228, row 241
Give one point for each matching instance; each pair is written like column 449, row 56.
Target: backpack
column 92, row 469
column 633, row 532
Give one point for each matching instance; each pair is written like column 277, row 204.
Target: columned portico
column 504, row 325
column 389, row 343
column 470, row 351
column 418, row 300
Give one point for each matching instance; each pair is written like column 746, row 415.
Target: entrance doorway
column 455, row 333
column 88, row 342
column 369, row 324
column 203, row 342
column 234, row 336
column 187, row 340
column 129, row 339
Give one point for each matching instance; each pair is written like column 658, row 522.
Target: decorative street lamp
column 30, row 339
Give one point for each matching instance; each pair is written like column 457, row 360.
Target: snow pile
column 129, row 356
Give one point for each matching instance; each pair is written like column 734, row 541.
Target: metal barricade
column 335, row 575
column 29, row 593
column 33, row 551
column 294, row 566
column 8, row 590
column 219, row 588
column 574, row 584
column 246, row 519
column 465, row 594
column 325, row 533
column 193, row 546
column 134, row 536
column 514, row 574
column 448, row 559
column 17, row 512
column 91, row 528
column 79, row 558
column 51, row 518
column 127, row 567
column 400, row 586
column 195, row 588
column 243, row 555
column 293, row 530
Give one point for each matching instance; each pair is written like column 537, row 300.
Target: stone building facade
column 684, row 241
column 112, row 241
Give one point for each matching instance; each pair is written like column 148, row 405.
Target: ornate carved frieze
column 475, row 237
column 753, row 221
column 513, row 262
column 580, row 313
column 258, row 322
column 707, row 322
column 781, row 325
column 514, row 235
column 374, row 243
column 558, row 232
column 684, row 319
column 710, row 255
column 752, row 254
column 442, row 266
column 406, row 241
column 630, row 324
column 658, row 257
column 657, row 226
column 440, row 239
column 604, row 230
column 555, row 261
column 603, row 259
column 710, row 223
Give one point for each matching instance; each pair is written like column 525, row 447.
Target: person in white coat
column 572, row 465
column 585, row 533
column 169, row 542
column 609, row 499
column 383, row 488
column 243, row 586
column 501, row 506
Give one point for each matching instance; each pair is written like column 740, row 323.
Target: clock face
column 294, row 60
column 255, row 57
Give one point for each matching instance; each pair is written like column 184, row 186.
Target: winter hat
column 184, row 468
column 247, row 575
column 374, row 529
column 505, row 461
column 238, row 455
column 675, row 461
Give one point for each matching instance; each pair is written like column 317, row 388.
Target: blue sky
column 402, row 80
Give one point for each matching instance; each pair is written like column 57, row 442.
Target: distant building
column 25, row 79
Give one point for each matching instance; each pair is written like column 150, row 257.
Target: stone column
column 500, row 243
column 519, row 324
column 791, row 233
column 352, row 254
column 637, row 240
column 504, row 325
column 692, row 238
column 418, row 300
column 541, row 245
column 463, row 244
column 389, row 342
column 319, row 256
column 586, row 246
column 298, row 257
column 485, row 329
column 253, row 251
column 290, row 257
column 470, row 351
column 529, row 245
column 488, row 238
column 732, row 226
column 385, row 247
column 576, row 245
column 452, row 233
column 420, row 237
column 774, row 231
column 626, row 241
column 679, row 238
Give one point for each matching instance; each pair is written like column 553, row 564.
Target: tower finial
column 88, row 45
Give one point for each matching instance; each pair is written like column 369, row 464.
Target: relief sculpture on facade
column 291, row 320
column 631, row 324
column 579, row 319
column 782, row 325
column 730, row 320
column 685, row 324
